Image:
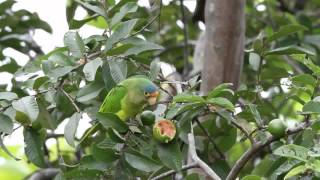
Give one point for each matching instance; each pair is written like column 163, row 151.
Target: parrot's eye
column 146, row 94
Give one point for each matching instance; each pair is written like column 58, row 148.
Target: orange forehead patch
column 166, row 128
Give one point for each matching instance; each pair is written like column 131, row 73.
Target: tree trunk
column 225, row 34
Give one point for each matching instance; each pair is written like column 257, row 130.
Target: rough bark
column 225, row 34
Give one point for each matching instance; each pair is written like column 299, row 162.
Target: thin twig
column 98, row 53
column 71, row 100
column 185, row 34
column 256, row 148
column 140, row 30
column 244, row 131
column 210, row 139
column 195, row 158
column 168, row 173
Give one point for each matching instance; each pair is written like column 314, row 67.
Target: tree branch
column 244, row 131
column 71, row 100
column 168, row 173
column 42, row 174
column 196, row 159
column 258, row 147
column 185, row 34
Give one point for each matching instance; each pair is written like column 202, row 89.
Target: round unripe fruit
column 277, row 127
column 164, row 130
column 147, row 117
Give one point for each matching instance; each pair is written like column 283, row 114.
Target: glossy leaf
column 75, row 44
column 71, row 128
column 109, row 120
column 295, row 171
column 9, row 96
column 143, row 163
column 170, row 155
column 223, row 102
column 288, row 50
column 311, row 107
column 129, row 7
column 155, row 67
column 293, row 151
column 118, row 69
column 27, row 105
column 184, row 98
column 6, row 124
column 285, row 31
column 89, row 92
column 34, row 147
column 91, row 68
column 122, row 31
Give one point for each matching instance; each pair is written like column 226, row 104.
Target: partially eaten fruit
column 164, row 130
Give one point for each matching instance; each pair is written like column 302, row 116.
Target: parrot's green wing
column 112, row 103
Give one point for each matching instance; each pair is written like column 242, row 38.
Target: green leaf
column 251, row 177
column 45, row 118
column 77, row 24
column 4, row 148
column 60, row 59
column 109, row 120
column 107, row 144
column 223, row 102
column 71, row 128
column 103, row 154
column 295, row 171
column 75, row 44
column 220, row 89
column 107, row 78
column 115, row 136
column 293, row 151
column 170, row 155
column 285, row 167
column 6, row 124
column 118, row 69
column 285, row 31
column 27, row 105
column 303, row 79
column 311, row 107
column 184, row 98
column 53, row 71
column 39, row 82
column 177, row 110
column 155, row 67
column 129, row 7
column 88, row 162
column 142, row 47
column 307, row 62
column 96, row 9
column 9, row 96
column 122, row 31
column 254, row 111
column 90, row 69
column 34, row 147
column 288, row 50
column 89, row 92
column 141, row 162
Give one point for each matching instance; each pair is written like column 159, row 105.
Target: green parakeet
column 129, row 97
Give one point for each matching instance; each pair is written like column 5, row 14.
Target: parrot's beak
column 152, row 99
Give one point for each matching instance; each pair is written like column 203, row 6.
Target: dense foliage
column 280, row 81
